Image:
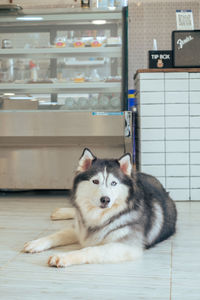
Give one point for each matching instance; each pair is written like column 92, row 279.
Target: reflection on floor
column 171, row 270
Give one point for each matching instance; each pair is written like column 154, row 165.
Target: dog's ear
column 85, row 160
column 125, row 164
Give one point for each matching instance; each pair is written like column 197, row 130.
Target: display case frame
column 39, row 149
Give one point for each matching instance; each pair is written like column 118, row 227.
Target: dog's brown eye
column 95, row 181
column 113, row 183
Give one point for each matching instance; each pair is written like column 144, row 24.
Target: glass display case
column 63, row 60
column 63, row 87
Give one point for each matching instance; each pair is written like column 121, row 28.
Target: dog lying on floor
column 118, row 213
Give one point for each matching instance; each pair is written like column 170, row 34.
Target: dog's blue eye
column 113, row 183
column 95, row 181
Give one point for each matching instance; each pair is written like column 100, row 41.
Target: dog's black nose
column 105, row 200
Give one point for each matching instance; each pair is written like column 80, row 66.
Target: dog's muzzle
column 104, row 202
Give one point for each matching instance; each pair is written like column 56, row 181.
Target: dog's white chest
column 80, row 229
column 85, row 237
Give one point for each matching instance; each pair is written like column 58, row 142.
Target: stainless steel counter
column 40, row 149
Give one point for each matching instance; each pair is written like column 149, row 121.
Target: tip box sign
column 160, row 59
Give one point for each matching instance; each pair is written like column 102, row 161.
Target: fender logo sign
column 181, row 43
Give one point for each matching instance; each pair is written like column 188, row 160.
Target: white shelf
column 84, row 63
column 68, row 51
column 82, row 16
column 61, row 87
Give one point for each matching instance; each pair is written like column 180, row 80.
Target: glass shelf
column 68, row 51
column 62, row 87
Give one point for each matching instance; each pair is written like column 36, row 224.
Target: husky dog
column 118, row 213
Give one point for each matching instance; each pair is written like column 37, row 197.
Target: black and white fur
column 118, row 213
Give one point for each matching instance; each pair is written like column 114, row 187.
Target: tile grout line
column 20, row 252
column 165, row 130
column 171, row 262
column 189, row 146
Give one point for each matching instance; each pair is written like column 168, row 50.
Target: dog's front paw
column 56, row 215
column 36, row 246
column 59, row 261
column 63, row 213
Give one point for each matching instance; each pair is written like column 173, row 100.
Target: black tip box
column 160, row 59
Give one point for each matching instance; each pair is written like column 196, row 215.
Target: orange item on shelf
column 78, row 80
column 96, row 44
column 60, row 42
column 79, row 44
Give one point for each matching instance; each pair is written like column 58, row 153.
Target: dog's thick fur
column 117, row 212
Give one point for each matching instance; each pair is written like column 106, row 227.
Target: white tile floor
column 171, row 270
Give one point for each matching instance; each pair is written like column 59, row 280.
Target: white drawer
column 195, row 122
column 152, row 122
column 195, row 170
column 195, row 109
column 176, row 109
column 152, row 146
column 176, row 97
column 195, row 194
column 152, row 158
column 157, row 171
column 152, row 134
column 176, row 75
column 152, row 75
column 152, row 110
column 194, row 75
column 195, row 158
column 177, row 122
column 176, row 85
column 195, row 182
column 177, row 134
column 177, row 170
column 194, row 134
column 151, row 85
column 195, row 146
column 194, row 97
column 151, row 97
column 177, row 158
column 177, row 146
column 195, row 84
column 179, row 194
column 177, row 182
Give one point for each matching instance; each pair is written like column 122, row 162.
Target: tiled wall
column 169, row 126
